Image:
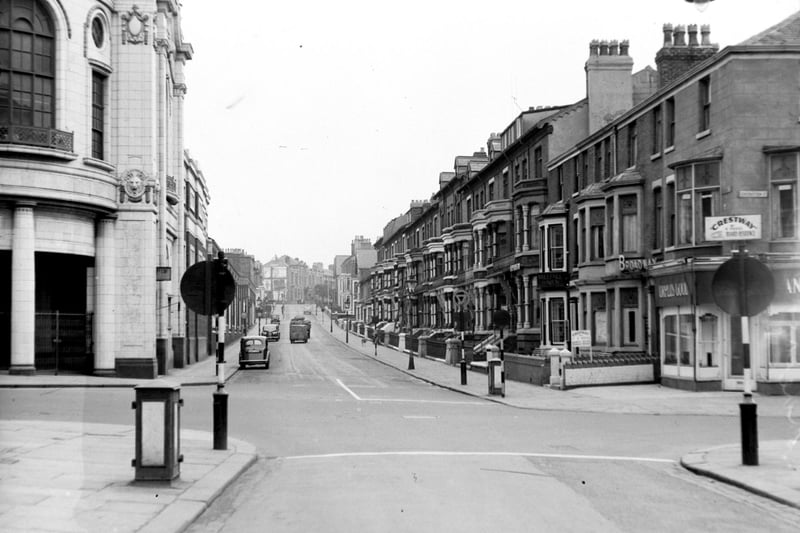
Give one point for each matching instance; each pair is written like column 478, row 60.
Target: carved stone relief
column 135, row 26
column 135, row 186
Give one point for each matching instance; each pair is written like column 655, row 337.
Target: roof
column 786, row 32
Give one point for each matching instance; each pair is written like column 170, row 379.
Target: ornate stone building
column 92, row 195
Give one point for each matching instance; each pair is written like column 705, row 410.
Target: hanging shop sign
column 733, row 228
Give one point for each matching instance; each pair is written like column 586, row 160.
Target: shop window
column 784, row 180
column 670, row 340
column 686, row 348
column 708, row 341
column 783, row 333
column 678, row 339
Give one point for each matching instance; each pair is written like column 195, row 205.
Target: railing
column 63, row 341
column 172, row 190
column 393, row 339
column 33, row 136
column 436, row 348
column 412, row 343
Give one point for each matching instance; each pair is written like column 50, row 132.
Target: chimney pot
column 603, row 48
column 667, row 34
column 680, row 30
column 594, row 47
column 623, row 47
column 614, row 47
column 692, row 34
column 705, row 32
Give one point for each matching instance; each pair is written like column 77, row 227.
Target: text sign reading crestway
column 733, row 228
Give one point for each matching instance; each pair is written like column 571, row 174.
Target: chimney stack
column 609, row 88
column 677, row 57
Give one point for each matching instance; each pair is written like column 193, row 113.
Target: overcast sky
column 315, row 121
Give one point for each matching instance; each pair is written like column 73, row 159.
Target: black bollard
column 220, row 420
column 747, row 412
column 410, row 361
column 463, row 371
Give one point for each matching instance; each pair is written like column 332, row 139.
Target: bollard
column 749, row 426
column 220, row 420
column 463, row 371
column 410, row 361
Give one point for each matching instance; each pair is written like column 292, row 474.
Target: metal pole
column 502, row 367
column 220, row 396
column 57, row 340
column 747, row 409
column 463, row 362
column 347, row 332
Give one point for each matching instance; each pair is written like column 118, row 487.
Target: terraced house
column 595, row 216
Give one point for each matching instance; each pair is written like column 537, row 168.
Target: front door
column 734, row 362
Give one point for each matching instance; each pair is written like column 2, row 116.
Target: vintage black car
column 253, row 350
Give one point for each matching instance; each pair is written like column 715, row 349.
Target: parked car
column 271, row 331
column 275, row 319
column 253, row 350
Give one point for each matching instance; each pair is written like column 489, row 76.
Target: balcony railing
column 33, row 136
column 172, row 190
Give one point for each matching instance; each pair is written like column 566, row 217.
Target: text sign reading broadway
column 733, row 228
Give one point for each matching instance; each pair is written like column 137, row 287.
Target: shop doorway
column 734, row 365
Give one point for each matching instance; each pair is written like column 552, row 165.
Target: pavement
column 60, row 476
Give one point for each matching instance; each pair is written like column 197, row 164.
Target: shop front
column 777, row 336
column 695, row 335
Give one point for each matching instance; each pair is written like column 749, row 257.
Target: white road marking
column 342, row 385
column 419, row 417
column 360, row 399
column 486, row 454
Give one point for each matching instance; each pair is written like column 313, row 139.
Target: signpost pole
column 747, row 409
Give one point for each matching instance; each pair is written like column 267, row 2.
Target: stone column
column 520, row 303
column 105, row 308
column 481, row 251
column 517, row 237
column 526, row 212
column 23, row 291
column 527, row 295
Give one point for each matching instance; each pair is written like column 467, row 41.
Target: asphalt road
column 349, row 444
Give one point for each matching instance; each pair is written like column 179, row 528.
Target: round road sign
column 743, row 286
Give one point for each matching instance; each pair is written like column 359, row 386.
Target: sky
column 316, row 121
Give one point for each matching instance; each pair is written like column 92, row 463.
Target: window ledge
column 669, row 149
column 655, row 156
column 99, row 163
column 704, row 133
column 39, row 151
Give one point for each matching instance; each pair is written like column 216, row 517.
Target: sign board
column 196, row 294
column 460, row 298
column 581, row 338
column 163, row 273
column 733, row 228
column 752, row 194
column 743, row 286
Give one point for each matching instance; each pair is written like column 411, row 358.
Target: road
column 349, row 444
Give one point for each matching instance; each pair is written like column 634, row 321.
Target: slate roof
column 786, row 32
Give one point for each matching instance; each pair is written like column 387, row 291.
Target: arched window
column 27, row 64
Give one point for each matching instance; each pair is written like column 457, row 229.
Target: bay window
column 697, row 197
